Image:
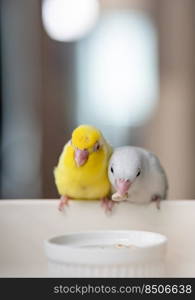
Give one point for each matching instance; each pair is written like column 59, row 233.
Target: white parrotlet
column 137, row 176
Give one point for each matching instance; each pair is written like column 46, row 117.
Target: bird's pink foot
column 107, row 204
column 63, row 202
column 157, row 199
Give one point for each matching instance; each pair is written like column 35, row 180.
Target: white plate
column 130, row 252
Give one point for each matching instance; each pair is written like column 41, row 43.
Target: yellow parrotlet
column 81, row 172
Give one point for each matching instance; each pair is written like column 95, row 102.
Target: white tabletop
column 24, row 224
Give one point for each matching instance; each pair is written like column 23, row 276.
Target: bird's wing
column 156, row 162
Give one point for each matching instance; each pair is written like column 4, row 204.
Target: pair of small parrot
column 89, row 169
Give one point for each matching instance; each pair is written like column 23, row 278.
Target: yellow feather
column 89, row 181
column 85, row 136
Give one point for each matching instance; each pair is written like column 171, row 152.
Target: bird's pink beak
column 81, row 156
column 122, row 186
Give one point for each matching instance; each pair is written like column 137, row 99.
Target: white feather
column 126, row 161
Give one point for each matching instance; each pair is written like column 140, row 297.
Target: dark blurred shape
column 21, row 79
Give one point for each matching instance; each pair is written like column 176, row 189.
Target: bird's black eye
column 112, row 170
column 139, row 172
column 97, row 147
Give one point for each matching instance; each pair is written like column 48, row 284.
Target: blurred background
column 125, row 66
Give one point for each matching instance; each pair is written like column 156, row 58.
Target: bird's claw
column 63, row 202
column 107, row 204
column 157, row 199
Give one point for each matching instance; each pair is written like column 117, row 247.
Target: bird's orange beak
column 81, row 156
column 122, row 186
